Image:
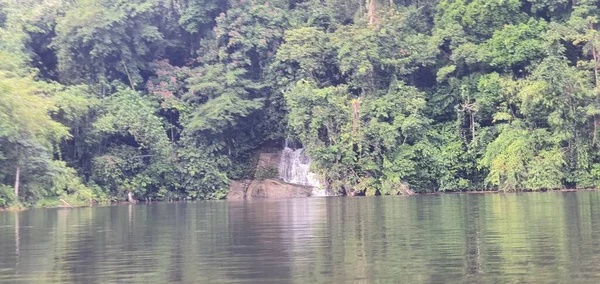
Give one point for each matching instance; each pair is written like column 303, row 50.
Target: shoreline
column 116, row 203
column 505, row 192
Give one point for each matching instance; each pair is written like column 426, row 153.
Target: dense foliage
column 170, row 98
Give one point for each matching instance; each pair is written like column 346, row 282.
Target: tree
column 100, row 41
column 136, row 145
column 172, row 99
column 28, row 132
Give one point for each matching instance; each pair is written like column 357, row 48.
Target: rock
column 237, row 189
column 405, row 190
column 269, row 188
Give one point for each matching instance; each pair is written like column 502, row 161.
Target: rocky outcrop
column 237, row 189
column 268, row 188
column 264, row 185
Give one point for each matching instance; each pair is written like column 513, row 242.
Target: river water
column 467, row 238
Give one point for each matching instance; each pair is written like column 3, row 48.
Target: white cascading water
column 294, row 167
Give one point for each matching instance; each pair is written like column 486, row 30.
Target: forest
column 171, row 99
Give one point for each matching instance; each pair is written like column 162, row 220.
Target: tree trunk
column 356, row 115
column 595, row 129
column 127, row 72
column 17, row 177
column 371, row 11
column 172, row 129
column 472, row 126
column 596, row 119
column 130, row 197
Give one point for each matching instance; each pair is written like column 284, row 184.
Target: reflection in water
column 471, row 238
column 17, row 244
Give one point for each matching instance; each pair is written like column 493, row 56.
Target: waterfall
column 294, row 167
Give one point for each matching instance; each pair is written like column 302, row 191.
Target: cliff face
column 269, row 160
column 265, row 184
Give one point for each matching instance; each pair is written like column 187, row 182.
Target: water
column 470, row 238
column 294, row 167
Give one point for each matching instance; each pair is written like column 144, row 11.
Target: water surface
column 468, row 238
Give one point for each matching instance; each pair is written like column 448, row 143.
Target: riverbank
column 507, row 192
column 268, row 193
column 57, row 203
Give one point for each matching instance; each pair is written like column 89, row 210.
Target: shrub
column 266, row 173
column 7, row 195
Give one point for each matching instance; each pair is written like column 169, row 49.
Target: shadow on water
column 421, row 239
